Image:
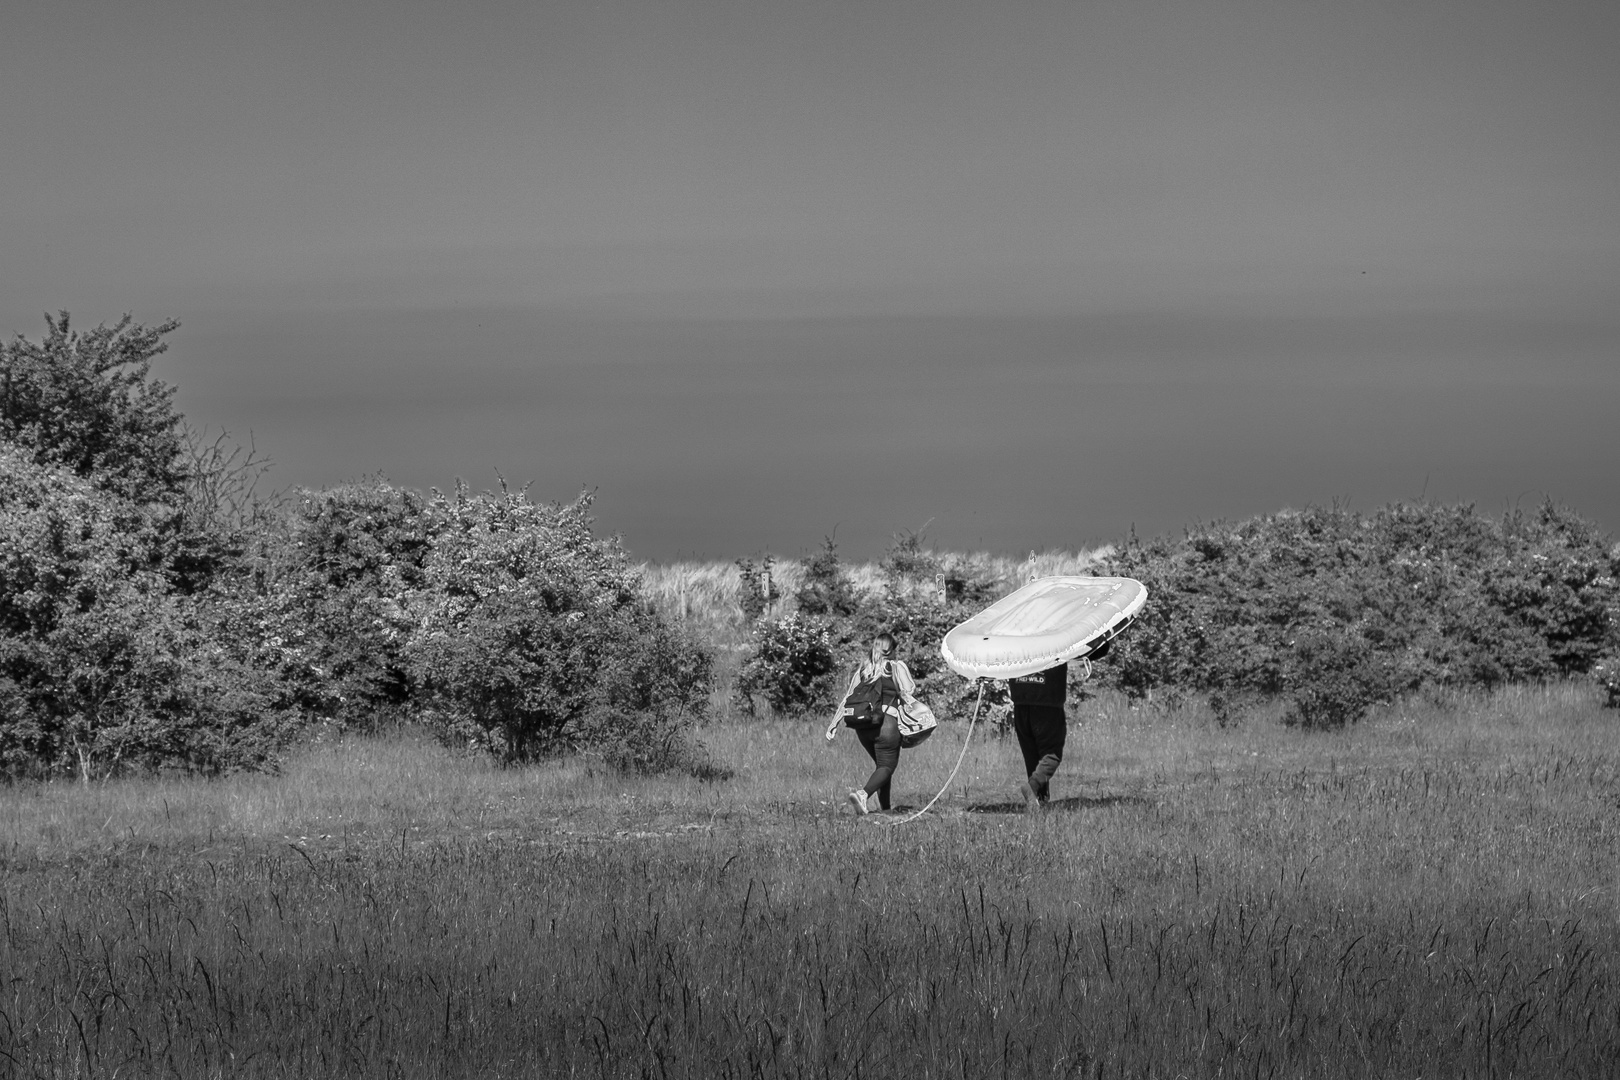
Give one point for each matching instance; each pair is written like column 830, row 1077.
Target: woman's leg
column 868, row 737
column 885, row 751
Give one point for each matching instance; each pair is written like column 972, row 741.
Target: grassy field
column 1435, row 892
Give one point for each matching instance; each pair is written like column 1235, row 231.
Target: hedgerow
column 1337, row 610
column 154, row 614
column 1330, row 610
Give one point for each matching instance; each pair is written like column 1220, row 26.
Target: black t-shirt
column 1049, row 687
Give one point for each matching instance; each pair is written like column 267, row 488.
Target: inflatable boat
column 1045, row 623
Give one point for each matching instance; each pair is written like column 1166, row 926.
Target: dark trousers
column 1041, row 731
column 882, row 745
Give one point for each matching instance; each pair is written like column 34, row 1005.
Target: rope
column 965, row 739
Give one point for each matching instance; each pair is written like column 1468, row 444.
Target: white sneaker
column 857, row 799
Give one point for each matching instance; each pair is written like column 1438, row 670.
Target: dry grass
column 1433, row 892
column 706, row 595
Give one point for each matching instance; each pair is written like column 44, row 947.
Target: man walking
column 1041, row 727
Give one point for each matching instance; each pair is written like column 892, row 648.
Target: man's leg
column 1029, row 746
column 1049, row 730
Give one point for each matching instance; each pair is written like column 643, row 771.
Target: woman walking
column 871, row 705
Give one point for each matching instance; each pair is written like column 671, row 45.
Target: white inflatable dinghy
column 1045, row 623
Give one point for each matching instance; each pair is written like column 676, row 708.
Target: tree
column 827, row 590
column 85, row 401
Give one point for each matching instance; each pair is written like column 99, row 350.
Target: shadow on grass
column 1070, row 805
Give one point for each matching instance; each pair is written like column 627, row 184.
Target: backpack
column 864, row 706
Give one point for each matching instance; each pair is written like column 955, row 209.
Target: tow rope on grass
column 959, row 757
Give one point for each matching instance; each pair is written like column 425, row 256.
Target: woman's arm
column 837, row 720
column 903, row 679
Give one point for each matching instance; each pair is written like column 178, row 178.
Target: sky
column 1018, row 275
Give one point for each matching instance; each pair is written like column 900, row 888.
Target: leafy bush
column 790, row 664
column 653, row 691
column 101, row 664
column 1333, row 679
column 346, row 564
column 532, row 638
